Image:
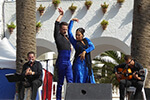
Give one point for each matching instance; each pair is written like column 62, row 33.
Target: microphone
column 29, row 62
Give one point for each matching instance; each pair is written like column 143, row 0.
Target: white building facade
column 117, row 36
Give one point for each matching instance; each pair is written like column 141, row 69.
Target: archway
column 109, row 43
column 44, row 46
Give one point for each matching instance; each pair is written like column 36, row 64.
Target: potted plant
column 104, row 7
column 41, row 9
column 104, row 24
column 56, row 3
column 120, row 2
column 88, row 4
column 72, row 8
column 11, row 27
column 38, row 26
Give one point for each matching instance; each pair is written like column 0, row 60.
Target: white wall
column 1, row 19
column 119, row 28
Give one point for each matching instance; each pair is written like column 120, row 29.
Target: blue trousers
column 64, row 68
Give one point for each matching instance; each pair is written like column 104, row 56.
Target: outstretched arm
column 71, row 38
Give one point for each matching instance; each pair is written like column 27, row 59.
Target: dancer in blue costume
column 63, row 63
column 82, row 70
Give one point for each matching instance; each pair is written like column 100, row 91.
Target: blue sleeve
column 91, row 46
column 71, row 38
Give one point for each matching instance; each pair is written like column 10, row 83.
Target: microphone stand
column 126, row 75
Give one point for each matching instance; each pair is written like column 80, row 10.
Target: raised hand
column 75, row 19
column 60, row 10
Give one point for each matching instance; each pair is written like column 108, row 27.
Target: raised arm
column 71, row 38
column 56, row 29
column 91, row 46
column 61, row 13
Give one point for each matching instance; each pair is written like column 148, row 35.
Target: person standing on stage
column 32, row 73
column 82, row 69
column 138, row 76
column 63, row 63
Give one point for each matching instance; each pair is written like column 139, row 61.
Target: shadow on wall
column 13, row 18
column 96, row 18
column 8, row 34
column 81, row 13
column 49, row 12
column 98, row 32
column 127, row 37
column 113, row 11
column 67, row 16
column 127, row 19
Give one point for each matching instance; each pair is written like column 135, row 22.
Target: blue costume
column 63, row 63
column 82, row 71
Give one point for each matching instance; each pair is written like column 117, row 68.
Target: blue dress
column 82, row 71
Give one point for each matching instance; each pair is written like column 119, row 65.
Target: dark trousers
column 34, row 87
column 126, row 83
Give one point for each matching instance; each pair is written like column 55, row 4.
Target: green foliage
column 12, row 25
column 38, row 24
column 56, row 1
column 88, row 3
column 72, row 7
column 104, row 22
column 120, row 1
column 41, row 8
column 107, row 71
column 104, row 5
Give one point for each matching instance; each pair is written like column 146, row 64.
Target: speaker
column 87, row 91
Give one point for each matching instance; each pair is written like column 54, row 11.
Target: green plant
column 104, row 5
column 104, row 22
column 12, row 25
column 88, row 3
column 120, row 1
column 72, row 7
column 38, row 24
column 41, row 8
column 56, row 2
column 107, row 71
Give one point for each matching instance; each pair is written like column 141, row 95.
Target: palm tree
column 140, row 44
column 26, row 31
column 108, row 75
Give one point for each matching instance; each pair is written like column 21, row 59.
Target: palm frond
column 107, row 71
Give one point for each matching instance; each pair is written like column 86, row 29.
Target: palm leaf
column 107, row 70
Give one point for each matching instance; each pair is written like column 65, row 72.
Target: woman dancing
column 82, row 70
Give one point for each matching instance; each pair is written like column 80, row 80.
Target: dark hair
column 31, row 52
column 63, row 23
column 81, row 30
column 127, row 57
